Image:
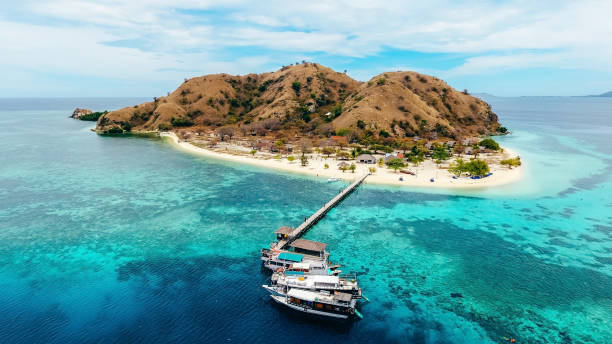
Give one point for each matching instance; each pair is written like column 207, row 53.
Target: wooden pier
column 312, row 220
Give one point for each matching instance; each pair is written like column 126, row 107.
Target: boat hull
column 273, row 290
column 281, row 300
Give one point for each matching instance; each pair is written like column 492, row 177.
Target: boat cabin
column 309, row 247
column 312, row 267
column 339, row 303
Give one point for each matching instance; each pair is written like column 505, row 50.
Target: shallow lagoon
column 129, row 240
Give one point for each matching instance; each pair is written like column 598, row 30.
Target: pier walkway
column 312, row 220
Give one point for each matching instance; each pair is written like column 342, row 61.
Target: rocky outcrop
column 78, row 113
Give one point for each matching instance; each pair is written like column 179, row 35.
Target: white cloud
column 84, row 37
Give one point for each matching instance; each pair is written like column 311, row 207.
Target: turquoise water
column 107, row 239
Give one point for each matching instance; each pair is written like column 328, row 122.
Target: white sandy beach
column 316, row 167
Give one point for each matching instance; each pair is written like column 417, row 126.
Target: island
column 404, row 128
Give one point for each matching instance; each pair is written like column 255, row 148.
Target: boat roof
column 284, row 230
column 308, row 295
column 309, row 245
column 294, row 257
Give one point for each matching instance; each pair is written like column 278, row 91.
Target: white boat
column 331, row 180
column 316, row 282
column 307, row 256
column 335, row 305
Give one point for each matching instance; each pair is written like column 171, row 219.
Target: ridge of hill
column 310, row 99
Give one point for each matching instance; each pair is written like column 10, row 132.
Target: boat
column 323, row 303
column 408, row 172
column 306, row 255
column 331, row 180
column 317, row 282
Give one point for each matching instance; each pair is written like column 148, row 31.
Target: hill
column 607, row 94
column 310, row 99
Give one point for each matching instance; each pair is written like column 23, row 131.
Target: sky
column 109, row 48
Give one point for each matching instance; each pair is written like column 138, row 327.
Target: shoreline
column 383, row 176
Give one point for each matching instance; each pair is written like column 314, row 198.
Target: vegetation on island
column 474, row 167
column 489, row 144
column 395, row 163
column 513, row 162
column 94, row 116
column 306, row 105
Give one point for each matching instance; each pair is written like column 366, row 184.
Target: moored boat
column 306, row 255
column 335, row 305
column 317, row 282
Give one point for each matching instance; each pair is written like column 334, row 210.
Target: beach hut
column 283, row 232
column 366, row 159
column 343, row 164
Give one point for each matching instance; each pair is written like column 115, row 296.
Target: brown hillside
column 411, row 104
column 310, row 99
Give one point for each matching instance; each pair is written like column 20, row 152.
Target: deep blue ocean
column 128, row 240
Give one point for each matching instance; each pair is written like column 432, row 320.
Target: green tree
column 291, row 158
column 381, row 162
column 181, row 122
column 372, row 170
column 440, row 153
column 92, row 116
column 296, row 85
column 253, row 152
column 304, row 159
column 342, row 155
column 477, row 167
column 379, row 147
column 457, row 167
column 404, row 146
column 395, row 163
column 416, row 155
column 327, row 151
column 353, row 168
column 326, row 166
column 490, row 144
column 512, row 162
column 416, row 159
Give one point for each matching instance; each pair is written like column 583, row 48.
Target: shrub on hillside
column 181, row 122
column 93, row 116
